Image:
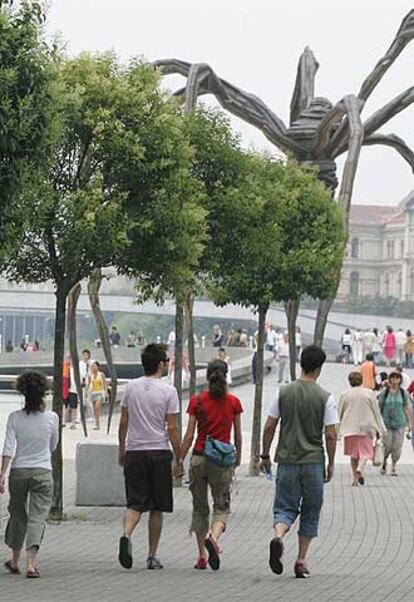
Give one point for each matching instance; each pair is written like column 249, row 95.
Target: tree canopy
column 26, row 75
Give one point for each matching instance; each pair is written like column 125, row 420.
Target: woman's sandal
column 11, row 569
column 34, row 574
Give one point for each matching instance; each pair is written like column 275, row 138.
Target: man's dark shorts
column 148, row 480
column 71, row 401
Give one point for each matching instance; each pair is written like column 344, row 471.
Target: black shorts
column 71, row 402
column 148, row 480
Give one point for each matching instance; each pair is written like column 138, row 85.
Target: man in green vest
column 306, row 411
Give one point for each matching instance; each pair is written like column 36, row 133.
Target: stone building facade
column 380, row 252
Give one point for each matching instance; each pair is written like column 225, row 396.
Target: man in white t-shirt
column 306, row 412
column 401, row 341
column 147, row 427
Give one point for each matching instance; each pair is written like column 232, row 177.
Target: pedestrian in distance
column 376, row 347
column 282, row 354
column 346, row 342
column 369, row 372
column 360, row 424
column 409, row 349
column 357, row 346
column 218, row 336
column 394, row 402
column 306, row 412
column 97, row 392
column 147, row 426
column 389, row 345
column 216, row 413
column 298, row 342
column 85, row 374
column 223, row 355
column 32, row 434
column 69, row 395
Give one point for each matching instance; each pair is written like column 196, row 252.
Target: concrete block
column 99, row 478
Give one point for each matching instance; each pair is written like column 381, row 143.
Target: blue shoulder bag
column 215, row 451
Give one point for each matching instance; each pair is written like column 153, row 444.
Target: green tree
column 312, row 244
column 278, row 236
column 115, row 146
column 26, row 72
column 217, row 162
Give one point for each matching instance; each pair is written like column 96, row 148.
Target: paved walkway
column 365, row 550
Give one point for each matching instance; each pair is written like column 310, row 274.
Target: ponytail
column 216, row 376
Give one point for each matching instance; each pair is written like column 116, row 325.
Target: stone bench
column 99, row 478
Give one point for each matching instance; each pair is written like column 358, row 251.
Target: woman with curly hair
column 32, row 435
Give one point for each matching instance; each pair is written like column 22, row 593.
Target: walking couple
column 147, row 428
column 306, row 412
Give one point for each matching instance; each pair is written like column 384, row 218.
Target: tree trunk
column 292, row 308
column 73, row 348
column 258, row 394
column 191, row 349
column 324, row 308
column 178, row 358
column 94, row 285
column 56, row 511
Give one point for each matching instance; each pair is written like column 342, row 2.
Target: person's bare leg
column 280, row 530
column 14, row 561
column 97, row 412
column 74, row 415
column 31, row 558
column 64, row 412
column 361, row 465
column 154, row 532
column 131, row 520
column 354, row 466
column 217, row 529
column 304, row 543
column 201, row 537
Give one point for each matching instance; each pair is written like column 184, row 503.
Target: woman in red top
column 215, row 412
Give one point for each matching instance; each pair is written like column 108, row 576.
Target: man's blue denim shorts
column 299, row 491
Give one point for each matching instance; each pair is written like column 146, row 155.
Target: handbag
column 378, row 459
column 215, row 451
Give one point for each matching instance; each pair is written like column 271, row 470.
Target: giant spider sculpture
column 319, row 132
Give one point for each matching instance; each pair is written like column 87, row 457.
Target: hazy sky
column 255, row 44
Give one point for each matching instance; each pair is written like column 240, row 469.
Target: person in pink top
column 389, row 344
column 147, row 428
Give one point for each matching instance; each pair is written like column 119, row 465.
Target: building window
column 390, row 249
column 355, row 248
column 354, row 284
column 402, row 248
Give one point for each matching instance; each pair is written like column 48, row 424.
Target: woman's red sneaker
column 201, row 564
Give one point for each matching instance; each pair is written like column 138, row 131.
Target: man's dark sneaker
column 154, row 563
column 125, row 552
column 213, row 553
column 301, row 570
column 276, row 551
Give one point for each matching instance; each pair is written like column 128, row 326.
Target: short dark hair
column 33, row 386
column 152, row 356
column 355, row 379
column 312, row 358
column 369, row 357
column 86, row 351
